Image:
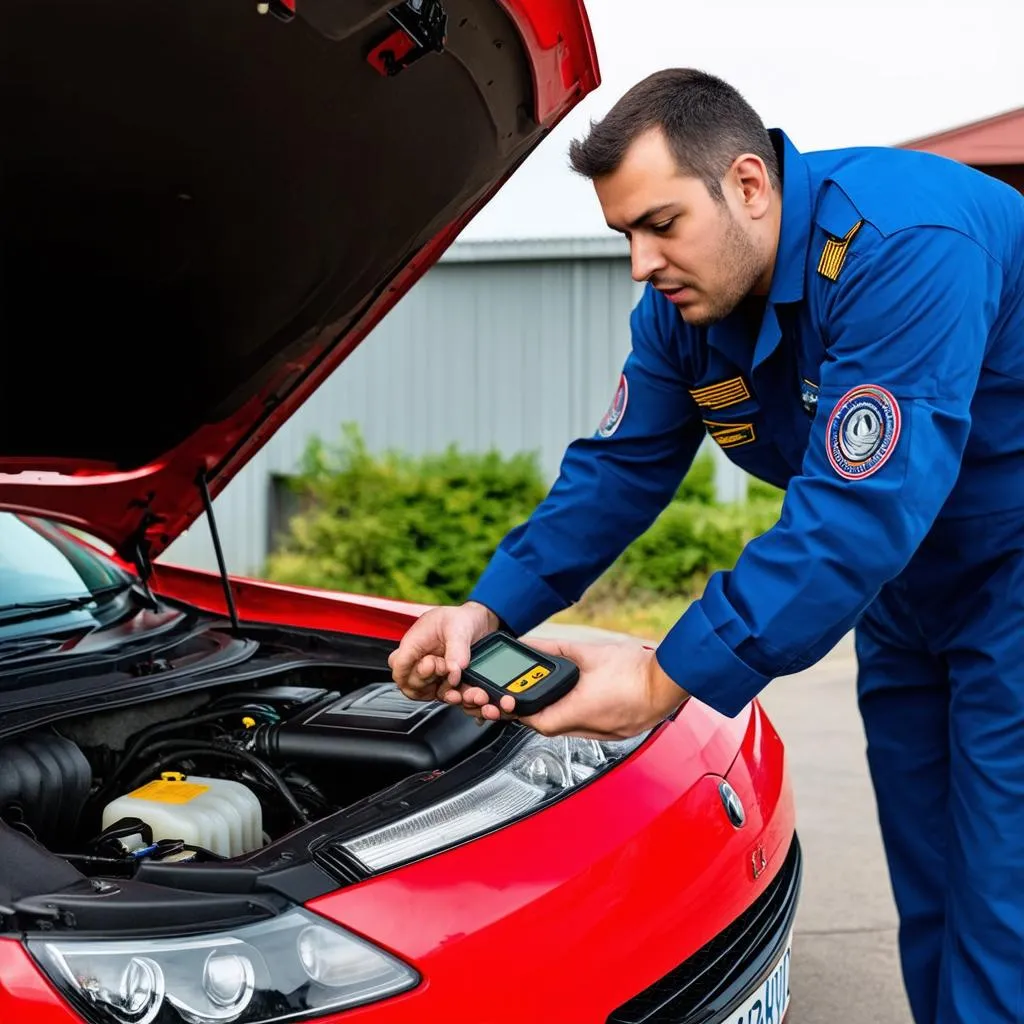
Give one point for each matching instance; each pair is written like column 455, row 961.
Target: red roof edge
column 993, row 140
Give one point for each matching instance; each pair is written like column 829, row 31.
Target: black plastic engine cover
column 378, row 730
column 44, row 782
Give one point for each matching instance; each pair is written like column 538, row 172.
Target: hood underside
column 205, row 209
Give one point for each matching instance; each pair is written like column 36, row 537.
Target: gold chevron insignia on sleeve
column 721, row 396
column 731, row 435
column 833, row 256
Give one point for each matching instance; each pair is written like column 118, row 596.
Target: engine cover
column 44, row 782
column 377, row 730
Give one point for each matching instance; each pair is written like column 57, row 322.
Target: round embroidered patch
column 862, row 431
column 613, row 417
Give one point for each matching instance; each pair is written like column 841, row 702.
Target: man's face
column 704, row 255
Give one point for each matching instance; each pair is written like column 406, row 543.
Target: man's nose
column 646, row 257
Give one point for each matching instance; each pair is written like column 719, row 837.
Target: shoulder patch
column 722, row 394
column 862, row 431
column 833, row 256
column 613, row 417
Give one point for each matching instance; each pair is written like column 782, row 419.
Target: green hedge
column 423, row 528
column 688, row 542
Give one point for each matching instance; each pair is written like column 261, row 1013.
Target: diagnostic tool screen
column 501, row 664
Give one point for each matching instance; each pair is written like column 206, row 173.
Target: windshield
column 39, row 563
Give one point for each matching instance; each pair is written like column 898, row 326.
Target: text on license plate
column 768, row 1003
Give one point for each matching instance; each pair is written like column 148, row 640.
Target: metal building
column 510, row 345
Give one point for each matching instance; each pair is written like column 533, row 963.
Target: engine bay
column 217, row 773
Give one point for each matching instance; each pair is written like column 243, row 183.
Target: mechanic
column 848, row 325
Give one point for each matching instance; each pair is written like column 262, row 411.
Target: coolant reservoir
column 219, row 815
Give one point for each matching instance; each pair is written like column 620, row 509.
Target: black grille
column 701, row 988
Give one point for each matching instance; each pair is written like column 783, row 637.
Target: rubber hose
column 155, row 730
column 193, row 749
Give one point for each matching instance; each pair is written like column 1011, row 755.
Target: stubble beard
column 741, row 267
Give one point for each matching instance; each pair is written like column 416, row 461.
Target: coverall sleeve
column 610, row 486
column 910, row 314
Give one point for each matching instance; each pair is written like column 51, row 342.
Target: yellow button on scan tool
column 534, row 676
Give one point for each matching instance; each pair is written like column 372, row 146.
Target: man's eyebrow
column 645, row 216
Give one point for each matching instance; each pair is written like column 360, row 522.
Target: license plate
column 768, row 1003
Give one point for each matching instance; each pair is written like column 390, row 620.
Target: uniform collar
column 795, row 232
column 732, row 335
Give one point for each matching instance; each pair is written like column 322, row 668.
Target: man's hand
column 622, row 691
column 435, row 650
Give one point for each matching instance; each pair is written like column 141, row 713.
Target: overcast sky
column 830, row 72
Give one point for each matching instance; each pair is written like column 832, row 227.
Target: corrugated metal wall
column 517, row 354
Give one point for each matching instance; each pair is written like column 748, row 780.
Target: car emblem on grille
column 732, row 804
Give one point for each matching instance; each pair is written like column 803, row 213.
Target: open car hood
column 204, row 210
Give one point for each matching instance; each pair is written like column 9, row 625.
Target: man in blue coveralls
column 848, row 325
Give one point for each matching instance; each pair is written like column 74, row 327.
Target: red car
column 214, row 804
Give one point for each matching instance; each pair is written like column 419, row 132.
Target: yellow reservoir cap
column 169, row 791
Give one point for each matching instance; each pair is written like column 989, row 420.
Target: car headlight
column 294, row 966
column 539, row 772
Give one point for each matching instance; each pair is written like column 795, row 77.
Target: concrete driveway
column 845, row 968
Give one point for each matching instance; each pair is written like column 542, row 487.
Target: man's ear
column 752, row 185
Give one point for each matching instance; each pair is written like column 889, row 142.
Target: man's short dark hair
column 706, row 122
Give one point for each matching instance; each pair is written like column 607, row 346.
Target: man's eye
column 663, row 226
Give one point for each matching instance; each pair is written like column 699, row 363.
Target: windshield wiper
column 24, row 647
column 26, row 610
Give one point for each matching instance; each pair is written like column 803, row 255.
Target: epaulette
column 833, row 255
column 837, row 216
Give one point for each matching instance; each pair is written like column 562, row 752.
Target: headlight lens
column 295, row 966
column 538, row 772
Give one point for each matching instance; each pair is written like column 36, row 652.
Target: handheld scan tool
column 502, row 665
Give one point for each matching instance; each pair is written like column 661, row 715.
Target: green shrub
column 758, row 490
column 419, row 529
column 689, row 541
column 699, row 484
column 423, row 529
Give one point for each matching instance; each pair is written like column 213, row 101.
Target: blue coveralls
column 885, row 391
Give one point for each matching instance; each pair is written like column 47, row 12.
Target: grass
column 646, row 616
column 644, row 620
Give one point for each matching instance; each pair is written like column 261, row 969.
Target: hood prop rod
column 138, row 552
column 204, row 490
column 145, row 570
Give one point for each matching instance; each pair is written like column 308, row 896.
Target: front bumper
column 708, row 985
